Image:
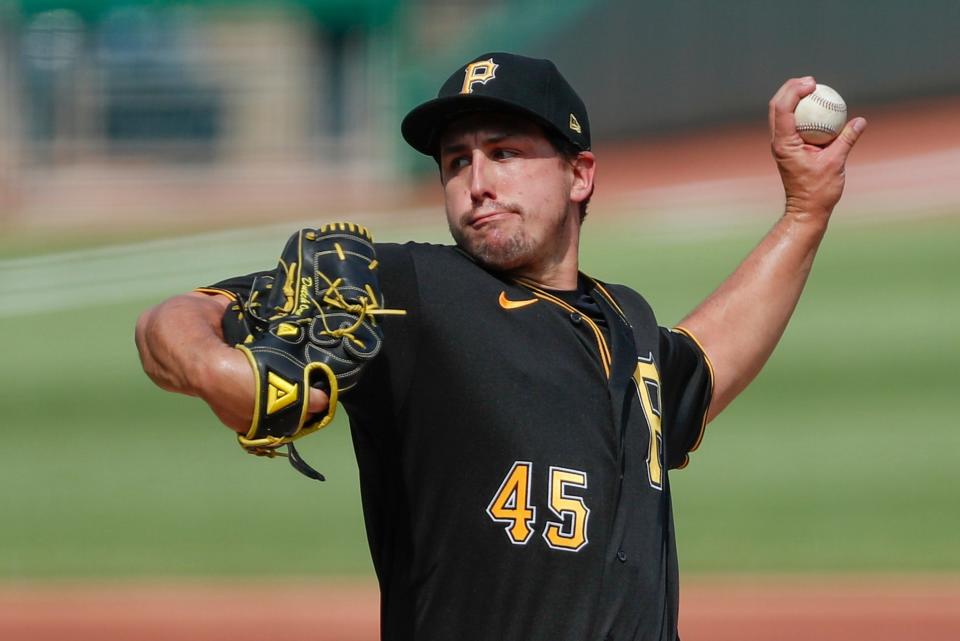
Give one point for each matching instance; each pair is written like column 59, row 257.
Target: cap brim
column 422, row 127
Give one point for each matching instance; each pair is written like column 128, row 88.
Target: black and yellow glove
column 310, row 323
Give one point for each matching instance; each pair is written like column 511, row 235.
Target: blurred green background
column 841, row 457
column 142, row 140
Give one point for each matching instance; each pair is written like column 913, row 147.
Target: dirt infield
column 712, row 609
column 825, row 609
column 251, row 611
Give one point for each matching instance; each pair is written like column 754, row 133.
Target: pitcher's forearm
column 180, row 340
column 182, row 350
column 741, row 322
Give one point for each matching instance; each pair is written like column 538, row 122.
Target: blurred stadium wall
column 137, row 110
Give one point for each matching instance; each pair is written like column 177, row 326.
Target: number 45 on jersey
column 511, row 505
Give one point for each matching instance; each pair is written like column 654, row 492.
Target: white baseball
column 820, row 116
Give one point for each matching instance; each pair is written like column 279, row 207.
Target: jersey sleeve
column 687, row 377
column 234, row 288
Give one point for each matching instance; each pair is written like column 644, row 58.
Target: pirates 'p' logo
column 480, row 72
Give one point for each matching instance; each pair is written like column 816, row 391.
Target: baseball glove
column 310, row 323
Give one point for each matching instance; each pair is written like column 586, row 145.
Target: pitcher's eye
column 456, row 163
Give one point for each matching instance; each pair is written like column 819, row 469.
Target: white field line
column 207, row 239
column 684, row 213
column 149, row 270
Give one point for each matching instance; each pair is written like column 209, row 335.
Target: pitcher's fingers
column 848, row 138
column 319, row 401
column 784, row 102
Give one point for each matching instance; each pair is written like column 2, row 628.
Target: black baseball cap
column 501, row 82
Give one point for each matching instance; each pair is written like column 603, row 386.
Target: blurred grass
column 841, row 457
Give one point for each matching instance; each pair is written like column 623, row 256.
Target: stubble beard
column 496, row 249
column 503, row 250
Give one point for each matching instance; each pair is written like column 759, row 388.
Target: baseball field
column 822, row 504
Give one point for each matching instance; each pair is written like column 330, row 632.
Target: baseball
column 820, row 116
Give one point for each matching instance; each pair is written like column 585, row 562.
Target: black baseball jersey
column 513, row 446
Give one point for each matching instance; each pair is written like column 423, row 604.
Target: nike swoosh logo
column 506, row 303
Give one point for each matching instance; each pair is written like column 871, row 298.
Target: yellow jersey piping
column 703, row 425
column 605, row 358
column 608, row 296
column 216, row 290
